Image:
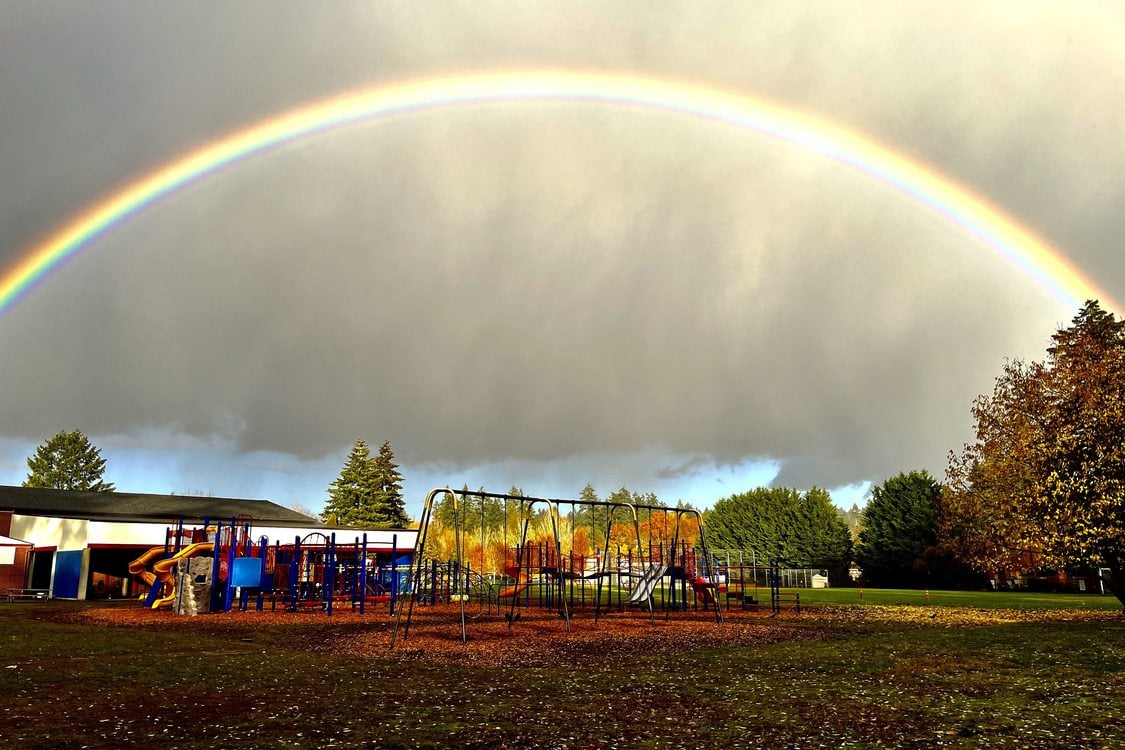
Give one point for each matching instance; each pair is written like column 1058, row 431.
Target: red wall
column 15, row 576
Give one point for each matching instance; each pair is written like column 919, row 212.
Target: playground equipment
column 315, row 571
column 667, row 573
column 743, row 579
column 163, row 570
column 139, row 567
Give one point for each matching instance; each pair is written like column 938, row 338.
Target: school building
column 78, row 545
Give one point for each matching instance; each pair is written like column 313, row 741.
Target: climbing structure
column 220, row 567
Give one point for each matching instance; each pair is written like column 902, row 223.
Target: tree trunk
column 1117, row 580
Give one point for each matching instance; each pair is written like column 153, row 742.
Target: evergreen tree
column 492, row 512
column 512, row 521
column 591, row 517
column 468, row 509
column 368, row 492
column 763, row 520
column 351, row 494
column 67, row 461
column 443, row 510
column 853, row 519
column 899, row 530
column 822, row 539
column 389, row 508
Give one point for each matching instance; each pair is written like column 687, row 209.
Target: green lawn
column 849, row 681
column 919, row 597
column 985, row 599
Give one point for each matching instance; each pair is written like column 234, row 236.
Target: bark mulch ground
column 541, row 638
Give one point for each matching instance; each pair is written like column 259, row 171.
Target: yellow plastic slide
column 163, row 570
column 139, row 567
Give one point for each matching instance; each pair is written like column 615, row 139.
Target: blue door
column 68, row 573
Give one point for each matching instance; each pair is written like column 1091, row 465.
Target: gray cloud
column 537, row 283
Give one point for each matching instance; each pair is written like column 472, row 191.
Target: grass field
column 985, row 599
column 996, row 670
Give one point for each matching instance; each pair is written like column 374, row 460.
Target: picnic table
column 15, row 595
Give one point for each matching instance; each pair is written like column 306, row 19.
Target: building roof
column 133, row 506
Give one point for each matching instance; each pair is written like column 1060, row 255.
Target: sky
column 541, row 293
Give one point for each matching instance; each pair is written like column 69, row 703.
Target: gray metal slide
column 647, row 584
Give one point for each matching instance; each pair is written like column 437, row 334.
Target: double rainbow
column 1044, row 265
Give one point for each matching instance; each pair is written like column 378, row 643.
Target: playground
column 639, row 636
column 618, row 566
column 222, row 567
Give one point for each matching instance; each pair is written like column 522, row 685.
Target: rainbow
column 1044, row 265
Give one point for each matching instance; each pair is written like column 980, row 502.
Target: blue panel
column 247, row 572
column 68, row 572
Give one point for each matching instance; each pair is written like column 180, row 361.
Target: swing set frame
column 651, row 573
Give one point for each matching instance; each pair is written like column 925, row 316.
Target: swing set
column 665, row 574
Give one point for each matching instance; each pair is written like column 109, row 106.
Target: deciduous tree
column 1045, row 479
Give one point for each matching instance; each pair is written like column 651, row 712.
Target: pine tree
column 67, row 461
column 389, row 508
column 368, row 492
column 351, row 494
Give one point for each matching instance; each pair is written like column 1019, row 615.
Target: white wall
column 63, row 533
column 116, row 532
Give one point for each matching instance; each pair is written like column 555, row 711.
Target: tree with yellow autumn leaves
column 1044, row 482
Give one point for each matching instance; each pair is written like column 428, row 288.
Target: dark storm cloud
column 532, row 283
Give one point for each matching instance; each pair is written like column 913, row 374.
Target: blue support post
column 394, row 571
column 330, row 572
column 294, row 573
column 433, row 582
column 363, row 575
column 261, row 588
column 353, row 578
